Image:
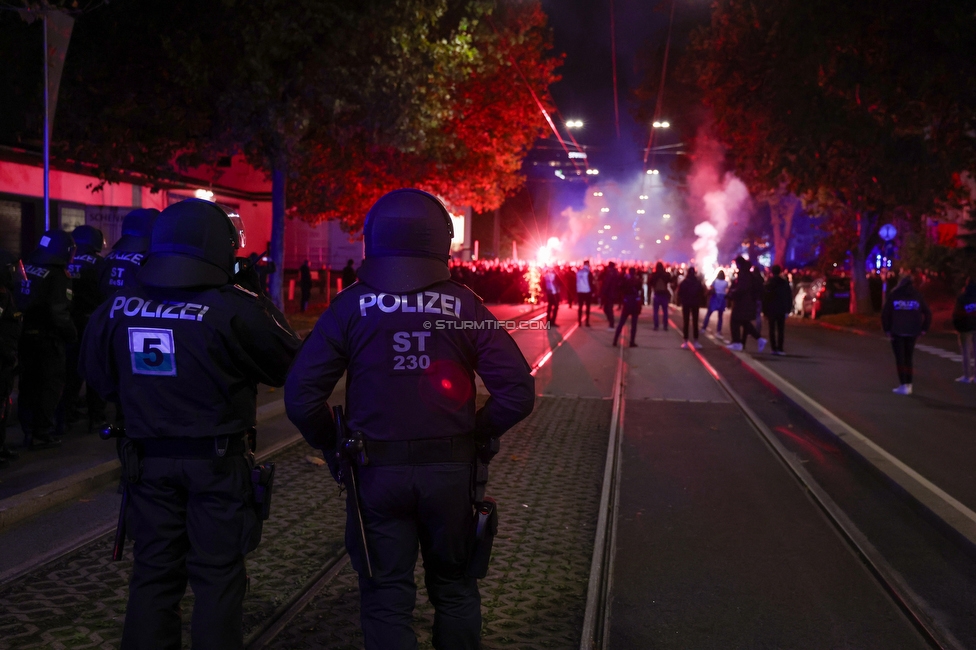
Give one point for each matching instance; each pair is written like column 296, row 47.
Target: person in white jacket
column 584, row 291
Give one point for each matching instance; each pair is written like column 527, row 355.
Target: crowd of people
column 754, row 296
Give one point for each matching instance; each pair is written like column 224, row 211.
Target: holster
column 485, row 528
column 485, row 523
column 262, row 477
column 130, row 455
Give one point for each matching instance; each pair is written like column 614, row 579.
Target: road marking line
column 596, row 614
column 541, row 361
column 943, row 505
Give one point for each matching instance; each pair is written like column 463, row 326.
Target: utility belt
column 133, row 451
column 195, row 448
column 457, row 449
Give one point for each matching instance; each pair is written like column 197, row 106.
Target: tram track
column 901, row 594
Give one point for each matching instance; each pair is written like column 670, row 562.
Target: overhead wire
column 660, row 92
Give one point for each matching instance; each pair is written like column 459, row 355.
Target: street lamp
column 574, row 124
column 661, row 125
column 667, row 216
column 653, row 171
column 592, row 172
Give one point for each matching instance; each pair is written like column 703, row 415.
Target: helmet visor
column 238, row 224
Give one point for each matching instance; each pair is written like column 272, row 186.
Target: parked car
column 833, row 296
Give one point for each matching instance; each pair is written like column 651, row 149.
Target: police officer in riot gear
column 183, row 351
column 85, row 271
column 129, row 252
column 400, row 335
column 11, row 272
column 44, row 298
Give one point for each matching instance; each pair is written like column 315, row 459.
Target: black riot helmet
column 136, row 231
column 88, row 239
column 11, row 270
column 407, row 237
column 193, row 245
column 56, row 248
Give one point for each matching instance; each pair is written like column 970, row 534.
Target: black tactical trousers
column 42, row 368
column 190, row 520
column 403, row 506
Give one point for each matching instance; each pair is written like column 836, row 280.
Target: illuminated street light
column 574, row 124
column 614, row 238
column 597, row 193
column 653, row 171
column 666, row 237
column 604, row 209
column 659, row 241
column 661, row 125
column 643, row 197
column 640, row 212
column 667, row 216
column 592, row 171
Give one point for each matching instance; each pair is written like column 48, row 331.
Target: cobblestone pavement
column 79, row 602
column 547, row 482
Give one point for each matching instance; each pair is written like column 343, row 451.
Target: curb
column 27, row 504
column 948, row 511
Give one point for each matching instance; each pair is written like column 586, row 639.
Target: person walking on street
column 584, row 292
column 659, row 282
column 744, row 294
column 758, row 282
column 11, row 272
column 552, row 285
column 964, row 320
column 633, row 301
column 44, row 299
column 348, row 275
column 904, row 318
column 410, row 408
column 305, row 284
column 716, row 301
column 690, row 294
column 777, row 302
column 609, row 289
column 184, row 350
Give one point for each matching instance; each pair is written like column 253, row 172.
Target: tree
column 864, row 109
column 473, row 157
column 320, row 94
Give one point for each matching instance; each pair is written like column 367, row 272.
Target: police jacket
column 777, row 297
column 44, row 299
column 186, row 363
column 905, row 312
column 410, row 361
column 119, row 271
column 86, row 275
column 964, row 313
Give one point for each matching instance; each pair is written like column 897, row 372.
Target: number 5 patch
column 153, row 351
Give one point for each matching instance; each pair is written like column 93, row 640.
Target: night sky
column 582, row 31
